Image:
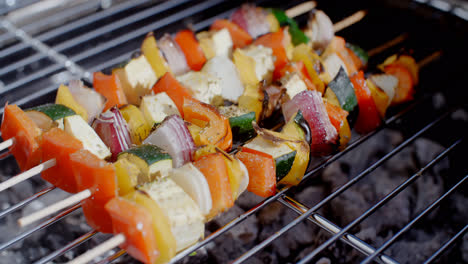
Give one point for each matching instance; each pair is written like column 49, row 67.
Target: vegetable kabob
column 88, row 103
column 112, row 84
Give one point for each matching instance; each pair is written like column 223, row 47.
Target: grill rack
column 75, row 65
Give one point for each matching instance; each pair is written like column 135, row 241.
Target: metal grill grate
column 34, row 60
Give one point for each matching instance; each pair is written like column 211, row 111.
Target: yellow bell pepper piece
column 274, row 24
column 65, row 97
column 252, row 100
column 380, row 98
column 345, row 134
column 139, row 128
column 164, row 237
column 246, row 67
column 127, row 176
column 153, row 55
column 305, row 54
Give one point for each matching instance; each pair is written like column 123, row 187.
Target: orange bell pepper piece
column 57, row 144
column 111, row 88
column 240, row 37
column 215, row 127
column 338, row 45
column 27, row 137
column 176, row 91
column 99, row 177
column 262, row 171
column 338, row 119
column 215, row 171
column 136, row 223
column 277, row 41
column 191, row 49
column 405, row 89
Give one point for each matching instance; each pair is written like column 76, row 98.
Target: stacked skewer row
column 149, row 152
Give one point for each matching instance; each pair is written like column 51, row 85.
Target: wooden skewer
column 6, row 144
column 27, row 174
column 109, row 244
column 388, row 44
column 434, row 56
column 351, row 20
column 76, row 198
column 301, row 9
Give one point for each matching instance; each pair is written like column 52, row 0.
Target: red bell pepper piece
column 277, row 41
column 27, row 137
column 99, row 177
column 191, row 49
column 136, row 223
column 176, row 91
column 215, row 171
column 57, row 144
column 262, row 172
column 369, row 117
column 239, row 36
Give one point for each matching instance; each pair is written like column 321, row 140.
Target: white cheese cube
column 184, row 217
column 293, row 84
column 230, row 82
column 156, row 107
column 332, row 64
column 77, row 127
column 215, row 43
column 264, row 60
column 204, row 87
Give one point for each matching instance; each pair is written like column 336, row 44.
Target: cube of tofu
column 185, row 218
column 332, row 64
column 254, row 63
column 215, row 43
column 77, row 127
column 204, row 87
column 137, row 78
column 156, row 107
column 293, row 84
column 223, row 68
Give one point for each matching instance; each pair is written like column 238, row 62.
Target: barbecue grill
column 44, row 44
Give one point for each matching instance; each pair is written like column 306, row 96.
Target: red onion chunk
column 91, row 100
column 252, row 19
column 113, row 130
column 173, row 136
column 173, row 54
column 324, row 136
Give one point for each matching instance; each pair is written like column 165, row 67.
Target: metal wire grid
column 63, row 62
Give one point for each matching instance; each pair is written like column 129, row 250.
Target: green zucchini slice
column 283, row 154
column 240, row 121
column 151, row 161
column 343, row 89
column 49, row 115
column 359, row 52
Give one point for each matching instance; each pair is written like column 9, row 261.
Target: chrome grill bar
column 410, row 224
column 381, row 203
column 68, row 247
column 332, row 228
